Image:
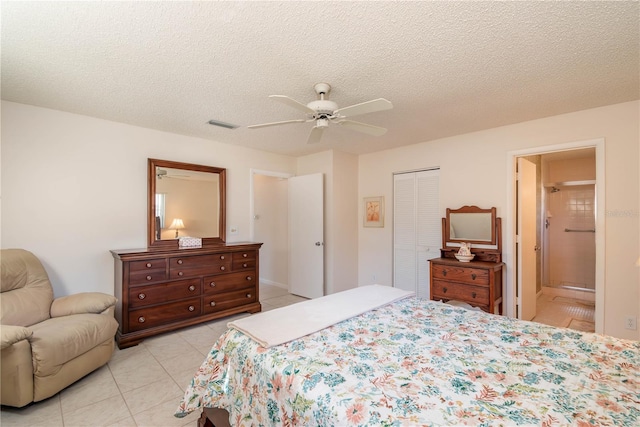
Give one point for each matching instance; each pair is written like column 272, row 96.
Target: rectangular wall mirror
column 471, row 224
column 185, row 200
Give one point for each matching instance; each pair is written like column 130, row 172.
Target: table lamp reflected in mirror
column 177, row 224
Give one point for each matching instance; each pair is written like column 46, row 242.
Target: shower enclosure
column 569, row 235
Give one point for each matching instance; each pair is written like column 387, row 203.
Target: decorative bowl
column 465, row 258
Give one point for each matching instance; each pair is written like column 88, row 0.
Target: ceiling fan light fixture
column 322, row 123
column 323, row 112
column 222, row 124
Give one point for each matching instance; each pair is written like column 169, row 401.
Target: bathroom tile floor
column 566, row 312
column 141, row 385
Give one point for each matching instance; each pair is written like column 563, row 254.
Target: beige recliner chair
column 47, row 344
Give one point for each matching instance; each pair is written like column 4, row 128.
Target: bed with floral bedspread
column 420, row 362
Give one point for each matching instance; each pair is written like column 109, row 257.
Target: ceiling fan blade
column 364, row 108
column 363, row 127
column 315, row 135
column 292, row 103
column 262, row 125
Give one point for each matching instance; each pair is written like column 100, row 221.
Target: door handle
column 318, row 243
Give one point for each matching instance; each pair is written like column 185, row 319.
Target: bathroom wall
column 569, row 255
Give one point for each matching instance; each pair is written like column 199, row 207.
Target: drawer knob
column 148, row 277
column 141, row 319
column 192, row 288
column 212, row 284
column 244, row 255
column 444, row 290
column 473, row 294
column 191, row 308
column 248, row 295
column 148, row 265
column 222, row 268
column 245, row 265
column 221, row 256
column 249, row 278
column 179, row 262
column 444, row 272
column 473, row 276
column 212, row 303
column 141, row 296
column 180, row 273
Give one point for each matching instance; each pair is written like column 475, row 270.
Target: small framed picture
column 374, row 211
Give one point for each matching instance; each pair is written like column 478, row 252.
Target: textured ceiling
column 448, row 67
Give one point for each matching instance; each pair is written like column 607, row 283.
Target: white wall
column 473, row 171
column 271, row 227
column 74, row 187
column 344, row 217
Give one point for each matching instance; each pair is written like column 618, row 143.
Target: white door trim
column 509, row 233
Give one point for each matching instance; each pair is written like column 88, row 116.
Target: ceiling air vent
column 222, row 124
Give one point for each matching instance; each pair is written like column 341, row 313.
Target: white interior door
column 526, row 240
column 306, row 235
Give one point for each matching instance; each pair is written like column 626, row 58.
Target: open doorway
column 568, row 272
column 270, row 225
column 287, row 218
column 566, row 265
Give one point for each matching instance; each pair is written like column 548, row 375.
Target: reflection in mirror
column 185, row 200
column 470, row 226
column 190, row 196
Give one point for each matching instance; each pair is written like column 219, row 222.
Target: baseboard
column 272, row 283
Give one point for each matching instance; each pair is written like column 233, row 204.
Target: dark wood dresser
column 159, row 290
column 477, row 283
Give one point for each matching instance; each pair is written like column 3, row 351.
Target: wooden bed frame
column 214, row 417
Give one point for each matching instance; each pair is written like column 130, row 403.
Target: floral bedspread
column 419, row 362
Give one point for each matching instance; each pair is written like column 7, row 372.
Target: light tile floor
column 141, row 385
column 556, row 309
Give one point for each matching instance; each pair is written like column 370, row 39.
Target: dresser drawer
column 150, row 264
column 189, row 266
column 229, row 282
column 244, row 260
column 474, row 276
column 144, row 318
column 476, row 295
column 141, row 277
column 141, row 296
column 226, row 300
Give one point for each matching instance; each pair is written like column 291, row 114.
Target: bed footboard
column 214, row 417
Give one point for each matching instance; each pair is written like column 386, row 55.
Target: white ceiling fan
column 322, row 112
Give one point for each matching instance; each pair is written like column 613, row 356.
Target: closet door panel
column 428, row 226
column 404, row 232
column 416, row 229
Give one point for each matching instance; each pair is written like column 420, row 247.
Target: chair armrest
column 12, row 334
column 85, row 302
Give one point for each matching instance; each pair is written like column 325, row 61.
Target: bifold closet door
column 416, row 228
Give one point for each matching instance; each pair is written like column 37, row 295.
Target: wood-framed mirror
column 185, row 200
column 470, row 224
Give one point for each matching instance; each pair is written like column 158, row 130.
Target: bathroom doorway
column 567, row 256
column 568, row 249
column 569, row 193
